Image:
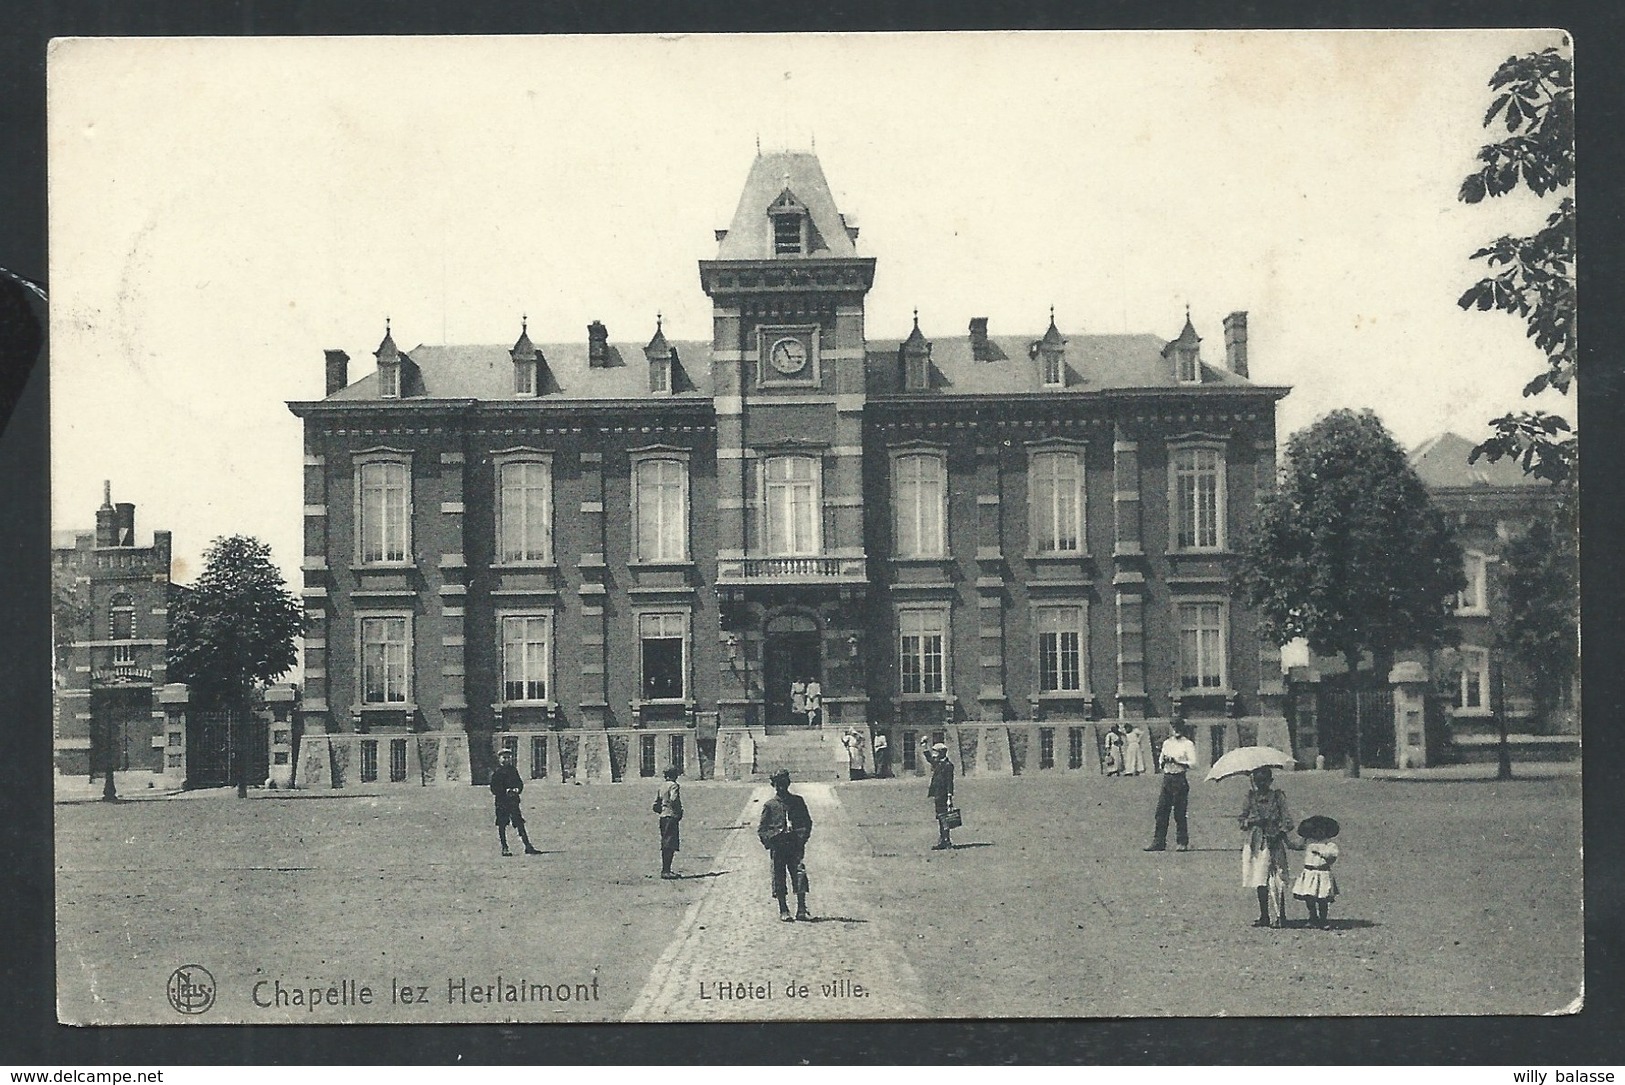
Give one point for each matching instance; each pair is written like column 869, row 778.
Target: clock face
column 789, row 357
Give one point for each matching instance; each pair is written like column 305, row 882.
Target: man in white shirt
column 1177, row 758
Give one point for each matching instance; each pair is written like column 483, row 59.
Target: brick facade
column 600, row 536
column 104, row 705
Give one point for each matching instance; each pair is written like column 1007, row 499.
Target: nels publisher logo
column 191, row 989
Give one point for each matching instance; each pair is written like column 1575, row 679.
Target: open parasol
column 1244, row 759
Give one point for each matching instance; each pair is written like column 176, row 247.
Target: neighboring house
column 1487, row 504
column 105, row 710
column 568, row 538
column 1473, row 686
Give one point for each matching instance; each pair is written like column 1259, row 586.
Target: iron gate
column 219, row 744
column 1334, row 710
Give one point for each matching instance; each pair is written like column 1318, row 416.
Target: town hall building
column 615, row 555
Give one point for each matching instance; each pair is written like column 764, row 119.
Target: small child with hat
column 1317, row 885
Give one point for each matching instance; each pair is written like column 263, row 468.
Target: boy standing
column 506, row 787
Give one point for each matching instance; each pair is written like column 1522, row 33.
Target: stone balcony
column 775, row 572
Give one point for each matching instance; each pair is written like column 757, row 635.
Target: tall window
column 525, row 513
column 524, row 378
column 1201, row 646
column 525, row 657
column 384, row 648
column 921, row 636
column 1474, row 598
column 1060, row 649
column 663, row 640
column 1057, row 501
column 1474, row 692
column 389, row 381
column 122, row 618
column 790, row 493
column 662, row 512
column 1198, row 483
column 920, row 495
column 385, row 503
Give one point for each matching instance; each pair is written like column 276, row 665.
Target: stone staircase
column 808, row 754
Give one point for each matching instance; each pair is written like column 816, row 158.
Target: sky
column 223, row 210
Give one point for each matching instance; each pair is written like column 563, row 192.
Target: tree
column 1532, row 277
column 1349, row 552
column 235, row 629
column 1538, row 620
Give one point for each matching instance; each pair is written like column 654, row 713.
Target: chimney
column 107, row 518
column 978, row 338
column 597, row 345
column 1235, row 343
column 338, row 370
column 125, row 519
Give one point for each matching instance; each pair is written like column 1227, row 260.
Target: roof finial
column 386, row 323
column 815, row 143
column 107, row 493
column 758, row 144
column 916, row 318
column 1052, row 314
column 660, row 320
column 524, row 323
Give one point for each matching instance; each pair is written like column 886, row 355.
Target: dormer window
column 389, row 381
column 787, row 235
column 1190, row 369
column 917, row 372
column 660, row 375
column 524, row 378
column 1054, row 369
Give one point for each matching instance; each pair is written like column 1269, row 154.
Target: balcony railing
column 792, row 570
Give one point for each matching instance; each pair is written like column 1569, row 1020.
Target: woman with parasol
column 1265, row 820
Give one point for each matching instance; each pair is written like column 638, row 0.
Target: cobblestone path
column 732, row 958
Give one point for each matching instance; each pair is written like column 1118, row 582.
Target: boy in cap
column 783, row 830
column 669, row 805
column 506, row 786
column 941, row 792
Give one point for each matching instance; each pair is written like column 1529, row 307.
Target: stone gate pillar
column 172, row 702
column 1410, row 714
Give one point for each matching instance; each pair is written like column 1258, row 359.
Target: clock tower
column 788, row 380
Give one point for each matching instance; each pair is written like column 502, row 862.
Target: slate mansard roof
column 1441, row 463
column 1095, row 363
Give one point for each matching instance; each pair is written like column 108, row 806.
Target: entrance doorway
column 792, row 652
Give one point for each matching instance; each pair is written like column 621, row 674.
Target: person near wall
column 941, row 791
column 853, row 741
column 1267, row 824
column 783, row 829
column 815, row 702
column 882, row 756
column 1112, row 763
column 506, row 787
column 1177, row 758
column 798, row 698
column 669, row 806
column 1133, row 749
